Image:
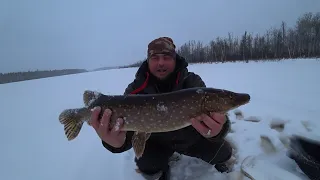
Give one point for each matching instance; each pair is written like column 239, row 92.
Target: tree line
column 300, row 41
column 22, row 76
column 283, row 42
column 277, row 43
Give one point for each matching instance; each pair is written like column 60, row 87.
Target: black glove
column 306, row 153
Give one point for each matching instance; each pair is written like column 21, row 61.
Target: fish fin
column 72, row 119
column 148, row 136
column 139, row 142
column 89, row 97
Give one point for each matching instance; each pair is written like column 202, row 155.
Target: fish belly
column 155, row 117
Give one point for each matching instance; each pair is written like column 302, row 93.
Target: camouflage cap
column 162, row 45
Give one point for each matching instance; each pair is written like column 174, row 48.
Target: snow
column 34, row 145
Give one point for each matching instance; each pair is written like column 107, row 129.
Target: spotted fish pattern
column 150, row 113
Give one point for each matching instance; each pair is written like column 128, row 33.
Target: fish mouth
column 242, row 98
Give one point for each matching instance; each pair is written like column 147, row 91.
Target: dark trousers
column 156, row 155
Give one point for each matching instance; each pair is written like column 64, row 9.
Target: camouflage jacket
column 143, row 83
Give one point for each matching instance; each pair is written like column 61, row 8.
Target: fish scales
column 150, row 113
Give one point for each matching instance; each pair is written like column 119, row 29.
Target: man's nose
column 161, row 61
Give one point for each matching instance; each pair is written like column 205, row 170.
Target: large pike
column 152, row 113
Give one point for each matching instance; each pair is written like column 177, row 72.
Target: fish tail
column 73, row 120
column 89, row 97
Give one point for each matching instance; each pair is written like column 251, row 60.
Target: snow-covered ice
column 34, row 146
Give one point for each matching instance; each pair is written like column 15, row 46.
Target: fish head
column 222, row 101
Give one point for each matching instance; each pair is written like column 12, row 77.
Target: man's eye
column 167, row 57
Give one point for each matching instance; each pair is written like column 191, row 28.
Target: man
column 166, row 71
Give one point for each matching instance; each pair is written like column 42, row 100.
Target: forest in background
column 23, row 76
column 278, row 43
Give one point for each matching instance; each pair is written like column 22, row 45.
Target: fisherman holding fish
column 166, row 71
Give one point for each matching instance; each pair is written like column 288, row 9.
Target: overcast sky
column 38, row 34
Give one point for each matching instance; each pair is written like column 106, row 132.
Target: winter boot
column 226, row 166
column 155, row 176
column 161, row 175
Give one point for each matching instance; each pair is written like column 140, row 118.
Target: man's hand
column 209, row 126
column 111, row 135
